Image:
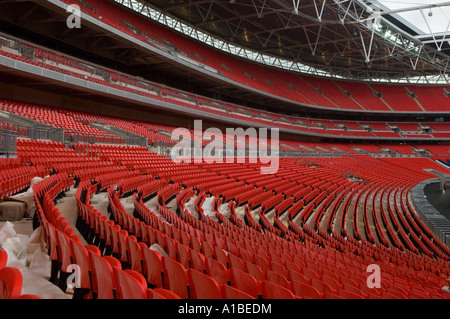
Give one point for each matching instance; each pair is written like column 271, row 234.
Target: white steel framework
column 375, row 37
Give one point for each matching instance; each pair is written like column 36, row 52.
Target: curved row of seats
column 58, row 119
column 74, row 122
column 216, row 237
column 304, row 89
column 255, row 240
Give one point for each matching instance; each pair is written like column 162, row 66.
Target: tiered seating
column 60, row 119
column 362, row 93
column 76, row 123
column 303, row 256
column 16, row 177
column 279, row 83
column 396, row 96
column 334, row 93
column 433, row 99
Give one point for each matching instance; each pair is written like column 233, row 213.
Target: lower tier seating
column 193, row 242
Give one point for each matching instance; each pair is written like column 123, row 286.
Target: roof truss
column 340, row 38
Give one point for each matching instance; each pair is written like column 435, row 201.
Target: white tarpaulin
column 27, row 253
column 224, row 209
column 28, row 197
column 190, row 206
column 208, row 208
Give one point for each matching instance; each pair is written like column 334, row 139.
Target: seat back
column 3, row 258
column 271, row 290
column 152, row 264
column 278, row 279
column 217, row 271
column 134, row 254
column 175, row 277
column 130, row 284
column 202, row 286
column 65, row 250
column 10, row 283
column 208, row 249
column 221, row 256
column 183, row 256
column 81, row 258
column 229, row 292
column 236, row 262
column 304, row 290
column 123, row 246
column 197, row 260
column 296, row 276
column 322, row 286
column 245, row 282
column 255, row 271
column 103, row 282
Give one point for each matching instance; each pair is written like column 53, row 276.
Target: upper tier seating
column 278, row 82
column 78, row 129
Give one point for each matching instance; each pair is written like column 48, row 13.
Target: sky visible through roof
column 425, row 21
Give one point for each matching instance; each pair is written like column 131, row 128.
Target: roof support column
column 296, row 4
column 319, row 14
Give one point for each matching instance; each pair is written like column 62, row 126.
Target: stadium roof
column 431, row 19
column 396, row 41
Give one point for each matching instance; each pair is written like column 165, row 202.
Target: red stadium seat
column 130, row 284
column 245, row 282
column 306, row 291
column 3, row 258
column 217, row 271
column 202, row 286
column 175, row 277
column 152, row 267
column 271, row 290
column 11, row 282
column 229, row 292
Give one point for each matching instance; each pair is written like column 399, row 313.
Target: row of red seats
column 98, row 272
column 396, row 213
column 55, row 117
column 343, row 226
column 11, row 280
column 90, row 134
column 14, row 180
column 303, row 89
column 206, row 225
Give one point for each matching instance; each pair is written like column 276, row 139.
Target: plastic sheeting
column 159, row 249
column 208, row 208
column 240, row 212
column 224, row 209
column 128, row 204
column 28, row 197
column 190, row 206
column 28, row 254
column 14, row 244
